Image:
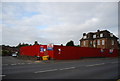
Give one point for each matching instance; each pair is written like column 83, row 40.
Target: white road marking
column 96, row 64
column 19, row 63
column 16, row 64
column 46, row 71
column 2, row 75
column 22, row 63
column 67, row 68
column 13, row 64
column 54, row 70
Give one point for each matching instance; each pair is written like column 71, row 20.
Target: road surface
column 95, row 68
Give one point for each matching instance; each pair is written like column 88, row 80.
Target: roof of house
column 98, row 31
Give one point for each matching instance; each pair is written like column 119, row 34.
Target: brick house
column 100, row 39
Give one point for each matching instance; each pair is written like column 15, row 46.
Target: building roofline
column 99, row 31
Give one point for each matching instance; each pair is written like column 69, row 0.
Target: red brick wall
column 107, row 45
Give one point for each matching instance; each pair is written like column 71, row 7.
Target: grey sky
column 55, row 22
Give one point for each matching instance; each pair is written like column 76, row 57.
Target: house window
column 101, row 35
column 84, row 43
column 91, row 42
column 94, row 44
column 84, row 37
column 112, row 42
column 94, row 36
column 98, row 42
column 111, row 35
column 103, row 42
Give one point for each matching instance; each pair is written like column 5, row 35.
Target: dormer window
column 84, row 37
column 101, row 35
column 94, row 36
column 111, row 35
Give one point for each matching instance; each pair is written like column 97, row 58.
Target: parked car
column 14, row 55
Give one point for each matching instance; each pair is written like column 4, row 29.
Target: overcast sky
column 55, row 22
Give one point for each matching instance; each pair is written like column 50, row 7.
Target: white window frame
column 84, row 43
column 94, row 36
column 84, row 37
column 98, row 42
column 113, row 42
column 111, row 35
column 94, row 43
column 101, row 35
column 91, row 42
column 103, row 42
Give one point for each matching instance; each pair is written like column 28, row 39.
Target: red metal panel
column 51, row 53
column 67, row 52
column 29, row 50
column 32, row 50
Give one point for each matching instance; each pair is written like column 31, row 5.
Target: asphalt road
column 95, row 68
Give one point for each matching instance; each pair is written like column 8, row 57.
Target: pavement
column 95, row 68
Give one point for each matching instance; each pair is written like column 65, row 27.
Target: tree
column 6, row 53
column 70, row 43
column 36, row 43
column 19, row 45
column 61, row 44
column 23, row 44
